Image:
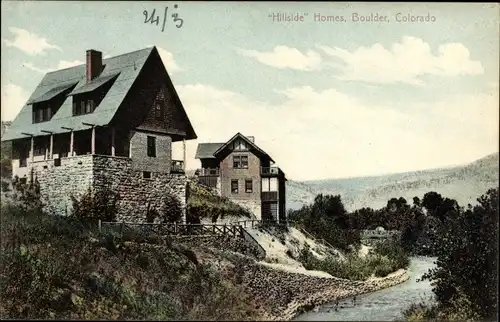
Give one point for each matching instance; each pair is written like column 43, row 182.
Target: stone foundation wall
column 76, row 174
column 57, row 184
column 136, row 192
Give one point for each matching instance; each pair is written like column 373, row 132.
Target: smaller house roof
column 207, row 150
column 252, row 144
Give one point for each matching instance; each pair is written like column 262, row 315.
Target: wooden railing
column 208, row 172
column 269, row 170
column 175, row 229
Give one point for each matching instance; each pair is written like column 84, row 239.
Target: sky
column 326, row 96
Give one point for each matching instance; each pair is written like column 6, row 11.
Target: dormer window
column 42, row 112
column 158, row 110
column 46, row 105
column 83, row 104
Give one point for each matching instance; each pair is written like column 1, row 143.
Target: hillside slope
column 463, row 183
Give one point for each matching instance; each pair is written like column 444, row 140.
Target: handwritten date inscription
column 153, row 18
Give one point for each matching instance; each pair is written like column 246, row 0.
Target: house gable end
column 153, row 105
column 241, row 143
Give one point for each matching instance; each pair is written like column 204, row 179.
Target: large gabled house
column 109, row 120
column 241, row 171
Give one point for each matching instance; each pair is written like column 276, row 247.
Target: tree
column 467, row 262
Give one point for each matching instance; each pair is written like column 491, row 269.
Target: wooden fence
column 175, row 229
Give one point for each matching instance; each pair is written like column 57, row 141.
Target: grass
column 387, row 258
column 202, row 202
column 60, row 268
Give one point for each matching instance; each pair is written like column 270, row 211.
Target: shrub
column 26, row 193
column 172, row 209
column 96, row 204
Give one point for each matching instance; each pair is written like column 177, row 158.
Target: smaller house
column 241, row 171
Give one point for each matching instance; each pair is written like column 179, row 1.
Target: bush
column 26, row 193
column 98, row 204
column 354, row 267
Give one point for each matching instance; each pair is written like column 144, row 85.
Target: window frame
column 235, row 181
column 158, row 107
column 237, row 164
column 151, row 146
column 248, row 181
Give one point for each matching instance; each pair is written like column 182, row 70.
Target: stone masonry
column 76, row 174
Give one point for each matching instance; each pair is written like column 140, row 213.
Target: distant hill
column 463, row 183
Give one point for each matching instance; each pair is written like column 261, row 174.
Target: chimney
column 94, row 64
column 251, row 138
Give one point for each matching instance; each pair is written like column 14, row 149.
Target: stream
column 383, row 305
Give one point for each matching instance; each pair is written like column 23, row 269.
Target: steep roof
column 248, row 141
column 206, row 150
column 123, row 69
column 211, row 150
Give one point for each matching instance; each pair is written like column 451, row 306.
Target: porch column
column 93, row 140
column 184, row 154
column 51, row 148
column 113, row 141
column 32, row 149
column 71, row 140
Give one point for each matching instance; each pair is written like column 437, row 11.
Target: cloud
column 13, row 99
column 314, row 134
column 61, row 65
column 28, row 42
column 168, row 60
column 284, row 57
column 404, row 62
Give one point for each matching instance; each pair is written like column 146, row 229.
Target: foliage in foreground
column 57, row 267
column 467, row 259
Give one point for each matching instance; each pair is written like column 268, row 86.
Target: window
column 240, row 161
column 83, row 105
column 273, row 184
column 248, row 186
column 239, row 145
column 265, row 184
column 158, row 111
column 236, row 161
column 269, row 184
column 89, row 106
column 146, row 175
column 41, row 113
column 234, row 186
column 244, row 161
column 151, row 146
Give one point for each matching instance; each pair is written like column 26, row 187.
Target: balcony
column 177, row 166
column 269, row 171
column 208, row 172
column 269, row 195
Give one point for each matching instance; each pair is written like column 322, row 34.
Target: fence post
column 99, row 224
column 175, row 227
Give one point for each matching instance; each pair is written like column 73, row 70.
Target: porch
column 52, row 149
